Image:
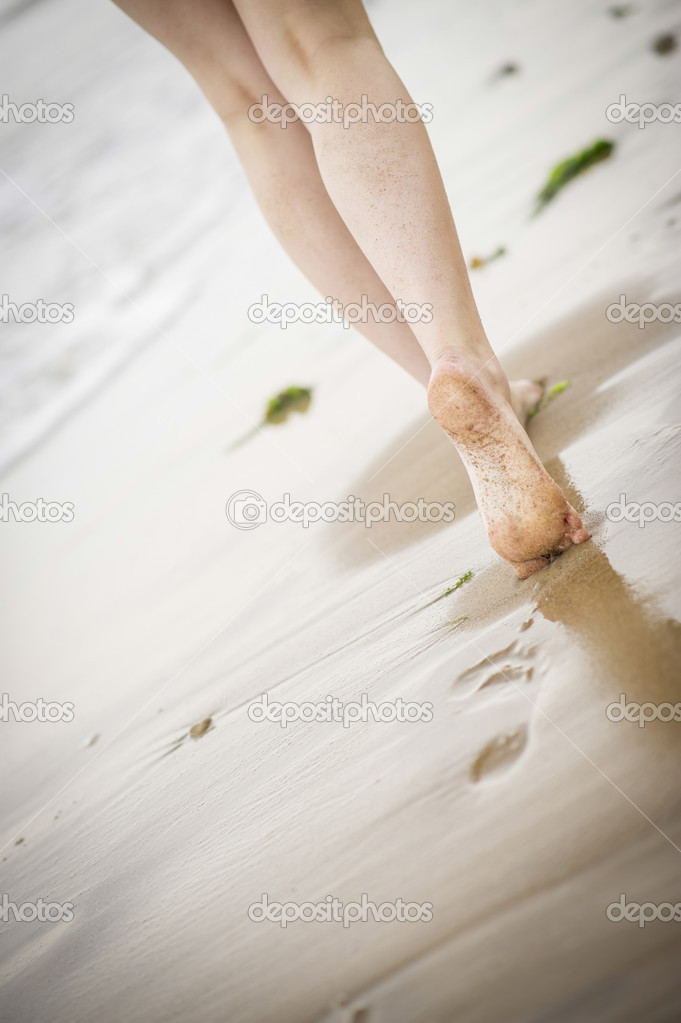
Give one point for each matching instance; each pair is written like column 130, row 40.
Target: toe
column 525, row 396
column 575, row 531
column 523, row 569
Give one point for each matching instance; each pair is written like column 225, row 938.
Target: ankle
column 480, row 362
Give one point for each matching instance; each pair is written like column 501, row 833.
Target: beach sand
column 520, row 811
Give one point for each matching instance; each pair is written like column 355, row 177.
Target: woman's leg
column 385, row 183
column 210, row 40
column 282, row 169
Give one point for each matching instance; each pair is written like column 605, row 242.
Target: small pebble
column 196, row 731
column 665, row 44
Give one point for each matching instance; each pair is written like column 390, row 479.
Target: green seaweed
column 292, row 399
column 570, row 168
column 549, row 396
column 461, row 619
column 459, row 582
column 278, row 409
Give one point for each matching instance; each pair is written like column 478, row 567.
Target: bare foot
column 528, row 521
column 525, row 396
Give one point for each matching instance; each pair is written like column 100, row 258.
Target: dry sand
column 520, row 812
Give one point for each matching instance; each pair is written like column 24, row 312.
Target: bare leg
column 385, row 183
column 282, row 170
column 210, row 40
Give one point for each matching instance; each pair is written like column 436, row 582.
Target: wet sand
column 520, row 811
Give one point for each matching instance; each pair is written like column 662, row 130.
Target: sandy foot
column 528, row 521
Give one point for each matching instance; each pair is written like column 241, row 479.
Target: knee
column 233, row 99
column 309, row 45
column 233, row 86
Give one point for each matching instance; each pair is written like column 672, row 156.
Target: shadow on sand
column 584, row 348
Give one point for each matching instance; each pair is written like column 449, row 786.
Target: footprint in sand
column 506, row 674
column 500, row 754
column 503, row 670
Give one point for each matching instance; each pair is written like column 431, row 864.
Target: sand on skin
column 520, row 812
